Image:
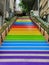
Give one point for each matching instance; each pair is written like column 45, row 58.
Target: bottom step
column 23, row 63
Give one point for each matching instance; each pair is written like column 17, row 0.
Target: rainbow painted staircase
column 24, row 45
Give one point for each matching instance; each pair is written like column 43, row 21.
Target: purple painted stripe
column 24, row 63
column 24, row 57
column 24, row 52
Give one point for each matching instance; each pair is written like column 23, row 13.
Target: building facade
column 9, row 8
column 36, row 6
column 6, row 10
column 2, row 11
column 44, row 9
column 12, row 5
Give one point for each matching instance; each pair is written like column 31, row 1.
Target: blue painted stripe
column 23, row 23
column 23, row 48
column 25, row 44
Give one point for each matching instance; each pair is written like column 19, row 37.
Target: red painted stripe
column 13, row 26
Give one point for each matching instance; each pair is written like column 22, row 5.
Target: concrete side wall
column 12, row 5
column 5, row 6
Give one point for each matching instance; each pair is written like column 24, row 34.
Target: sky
column 17, row 7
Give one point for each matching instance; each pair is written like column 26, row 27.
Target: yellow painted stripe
column 24, row 33
column 23, row 20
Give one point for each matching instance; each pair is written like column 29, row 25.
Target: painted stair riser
column 25, row 44
column 24, row 33
column 24, row 57
column 14, row 26
column 28, row 42
column 18, row 42
column 24, row 63
column 25, row 37
column 24, row 52
column 24, row 48
column 24, row 29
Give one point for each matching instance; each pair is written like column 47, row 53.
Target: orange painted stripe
column 24, row 29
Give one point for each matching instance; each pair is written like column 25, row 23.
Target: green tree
column 26, row 5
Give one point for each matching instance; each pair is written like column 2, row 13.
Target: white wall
column 36, row 13
column 12, row 5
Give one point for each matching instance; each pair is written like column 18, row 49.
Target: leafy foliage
column 26, row 5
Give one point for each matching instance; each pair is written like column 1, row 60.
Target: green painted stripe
column 25, row 37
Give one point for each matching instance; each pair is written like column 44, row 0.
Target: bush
column 8, row 19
